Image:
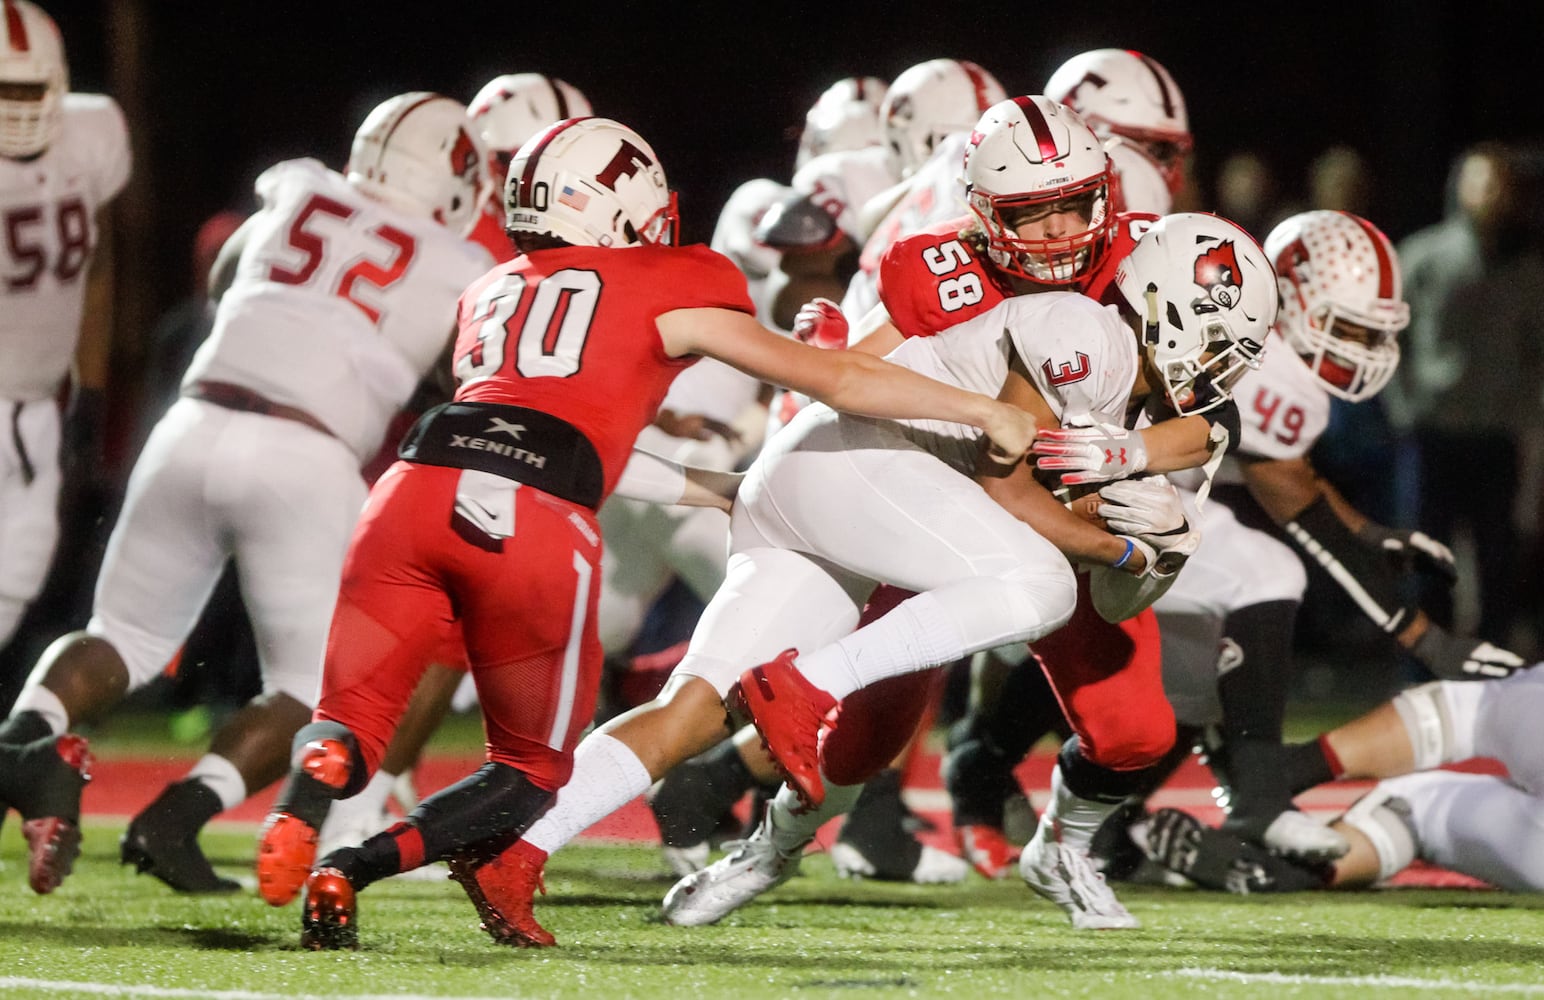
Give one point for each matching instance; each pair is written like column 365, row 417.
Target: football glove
column 1413, row 549
column 1096, row 454
column 820, row 323
column 1451, row 658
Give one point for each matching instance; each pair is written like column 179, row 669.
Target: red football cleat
column 503, row 889
column 328, row 919
column 787, row 710
column 987, row 849
column 285, row 852
column 55, row 770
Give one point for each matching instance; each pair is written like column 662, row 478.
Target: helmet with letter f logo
column 589, row 182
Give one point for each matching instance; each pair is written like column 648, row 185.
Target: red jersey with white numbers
column 571, row 332
column 933, row 279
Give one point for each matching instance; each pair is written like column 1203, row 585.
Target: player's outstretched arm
column 844, row 380
column 655, row 479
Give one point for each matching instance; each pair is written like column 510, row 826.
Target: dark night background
column 215, row 92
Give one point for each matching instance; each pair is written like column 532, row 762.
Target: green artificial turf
column 110, row 932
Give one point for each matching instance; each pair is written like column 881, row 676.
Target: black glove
column 1451, row 658
column 1412, row 549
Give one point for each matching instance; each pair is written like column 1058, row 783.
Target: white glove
column 1149, row 506
column 1094, row 454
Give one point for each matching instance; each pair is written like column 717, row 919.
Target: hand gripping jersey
column 569, row 333
column 1080, row 355
column 340, row 304
column 934, row 279
column 48, row 208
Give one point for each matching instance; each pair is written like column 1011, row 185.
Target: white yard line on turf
column 122, row 989
column 1386, row 982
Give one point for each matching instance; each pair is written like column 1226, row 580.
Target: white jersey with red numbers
column 340, row 303
column 1081, row 356
column 1283, row 408
column 48, row 208
column 843, row 181
column 935, row 193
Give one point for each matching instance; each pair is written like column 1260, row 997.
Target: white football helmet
column 1026, row 155
column 1206, row 295
column 32, row 60
column 1342, row 304
column 931, row 100
column 845, row 116
column 590, row 182
column 509, row 109
column 1126, row 93
column 420, row 153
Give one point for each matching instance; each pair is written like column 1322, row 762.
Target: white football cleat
column 1299, row 835
column 932, row 867
column 683, row 861
column 1064, row 875
column 751, row 867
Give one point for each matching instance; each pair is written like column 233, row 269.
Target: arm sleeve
column 1369, row 581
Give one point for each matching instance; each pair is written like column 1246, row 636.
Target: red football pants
column 1107, row 678
column 525, row 604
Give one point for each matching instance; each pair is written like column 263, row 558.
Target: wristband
column 1126, row 556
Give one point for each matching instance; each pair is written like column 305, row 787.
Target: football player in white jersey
column 338, row 297
column 1227, row 624
column 927, row 117
column 1483, row 825
column 63, row 157
column 1132, row 103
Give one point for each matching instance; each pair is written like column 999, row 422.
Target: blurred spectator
column 1338, row 180
column 1469, row 386
column 1249, row 193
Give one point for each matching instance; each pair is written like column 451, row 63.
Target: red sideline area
column 121, row 786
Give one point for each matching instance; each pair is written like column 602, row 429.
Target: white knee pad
column 1439, row 719
column 144, row 655
column 1384, row 819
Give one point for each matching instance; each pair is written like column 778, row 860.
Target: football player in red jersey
column 563, row 355
column 1041, row 220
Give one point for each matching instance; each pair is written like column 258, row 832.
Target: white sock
column 917, row 634
column 607, row 776
column 791, row 826
column 371, row 801
column 222, row 777
column 1069, row 819
column 37, row 698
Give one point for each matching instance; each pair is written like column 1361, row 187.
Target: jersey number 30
column 550, row 322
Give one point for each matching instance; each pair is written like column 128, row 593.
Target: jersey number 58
column 958, row 292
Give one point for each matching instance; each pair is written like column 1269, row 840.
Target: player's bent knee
column 1138, row 742
column 1384, row 819
column 1042, row 598
column 1439, row 719
column 144, row 656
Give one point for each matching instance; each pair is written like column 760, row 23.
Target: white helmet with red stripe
column 420, row 153
column 845, row 116
column 932, row 100
column 589, row 182
column 509, row 109
column 1206, row 295
column 34, row 78
column 1342, row 304
column 1126, row 93
column 1030, row 158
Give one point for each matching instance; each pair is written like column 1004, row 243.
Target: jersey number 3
column 549, row 320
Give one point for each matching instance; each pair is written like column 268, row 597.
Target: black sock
column 24, row 727
column 1305, row 766
column 694, row 796
column 1253, row 693
column 182, row 807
